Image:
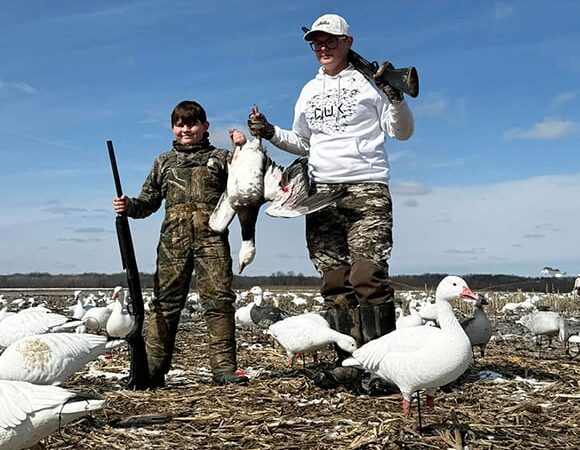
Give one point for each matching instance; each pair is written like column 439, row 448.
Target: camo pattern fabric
column 191, row 181
column 358, row 227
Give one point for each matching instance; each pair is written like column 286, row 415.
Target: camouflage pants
column 180, row 252
column 350, row 244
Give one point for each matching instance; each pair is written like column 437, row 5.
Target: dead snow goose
column 422, row 357
column 254, row 179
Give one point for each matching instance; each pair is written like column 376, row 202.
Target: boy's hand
column 238, row 138
column 394, row 95
column 120, row 204
column 259, row 125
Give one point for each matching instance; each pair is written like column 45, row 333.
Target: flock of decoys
column 42, row 349
column 430, row 348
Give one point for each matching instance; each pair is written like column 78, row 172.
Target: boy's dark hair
column 189, row 113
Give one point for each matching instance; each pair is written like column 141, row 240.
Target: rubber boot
column 376, row 321
column 222, row 348
column 160, row 344
column 346, row 321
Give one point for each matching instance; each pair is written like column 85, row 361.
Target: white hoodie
column 339, row 122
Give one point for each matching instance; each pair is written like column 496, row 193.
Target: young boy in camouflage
column 190, row 177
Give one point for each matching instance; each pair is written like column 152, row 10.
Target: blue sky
column 489, row 183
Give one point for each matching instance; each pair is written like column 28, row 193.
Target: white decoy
column 546, row 323
column 120, row 322
column 306, row 333
column 478, row 328
column 411, row 320
column 264, row 316
column 95, row 319
column 254, row 179
column 242, row 316
column 50, row 358
column 422, row 357
column 29, row 413
column 80, row 307
column 36, row 320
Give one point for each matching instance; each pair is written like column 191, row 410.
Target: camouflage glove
column 394, row 95
column 260, row 127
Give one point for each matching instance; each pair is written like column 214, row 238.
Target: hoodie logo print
column 330, row 112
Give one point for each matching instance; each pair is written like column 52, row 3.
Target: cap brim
column 308, row 35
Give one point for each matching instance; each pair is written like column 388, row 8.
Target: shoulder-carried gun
column 404, row 79
column 139, row 368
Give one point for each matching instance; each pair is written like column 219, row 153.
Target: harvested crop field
column 508, row 399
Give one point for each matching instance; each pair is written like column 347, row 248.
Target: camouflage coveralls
column 191, row 179
column 350, row 244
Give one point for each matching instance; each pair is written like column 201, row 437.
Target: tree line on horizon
column 428, row 281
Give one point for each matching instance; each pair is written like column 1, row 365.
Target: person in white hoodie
column 340, row 122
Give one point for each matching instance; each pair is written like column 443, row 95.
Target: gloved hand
column 394, row 95
column 259, row 125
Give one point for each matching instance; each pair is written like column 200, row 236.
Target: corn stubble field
column 509, row 399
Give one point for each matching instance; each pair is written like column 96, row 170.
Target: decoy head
column 452, row 287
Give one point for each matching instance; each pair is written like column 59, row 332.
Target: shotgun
column 139, row 368
column 405, row 79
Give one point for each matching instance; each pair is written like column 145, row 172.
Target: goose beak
column 467, row 293
column 242, row 266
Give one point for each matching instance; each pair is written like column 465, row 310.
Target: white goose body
column 49, row 358
column 29, row 322
column 95, row 319
column 120, row 322
column 308, row 332
column 421, row 357
column 254, row 179
column 411, row 320
column 29, row 413
column 546, row 323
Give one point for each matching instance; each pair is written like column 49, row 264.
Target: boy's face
column 189, row 134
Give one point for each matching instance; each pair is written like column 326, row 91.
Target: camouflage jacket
column 185, row 177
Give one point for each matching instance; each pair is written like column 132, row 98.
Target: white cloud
column 409, row 188
column 548, row 129
column 510, row 227
column 17, row 86
column 433, row 105
column 502, row 11
column 564, row 97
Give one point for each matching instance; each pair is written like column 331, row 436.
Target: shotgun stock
column 139, row 368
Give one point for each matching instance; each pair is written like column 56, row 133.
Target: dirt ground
column 509, row 399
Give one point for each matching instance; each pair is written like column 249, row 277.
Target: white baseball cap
column 331, row 24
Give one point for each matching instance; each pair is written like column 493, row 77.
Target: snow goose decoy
column 422, row 357
column 308, row 332
column 50, row 358
column 411, row 320
column 120, row 322
column 29, row 412
column 478, row 327
column 36, row 320
column 254, row 179
column 264, row 316
column 546, row 323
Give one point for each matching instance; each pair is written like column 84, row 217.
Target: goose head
column 257, row 292
column 347, row 343
column 452, row 287
column 247, row 254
